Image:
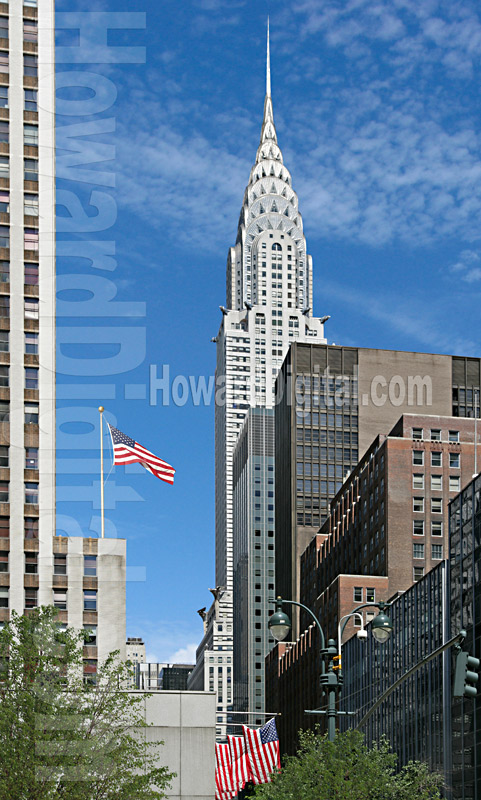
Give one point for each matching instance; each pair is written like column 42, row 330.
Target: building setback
column 331, row 403
column 387, row 528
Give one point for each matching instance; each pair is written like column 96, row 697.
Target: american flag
column 224, row 788
column 262, row 746
column 126, row 451
column 241, row 772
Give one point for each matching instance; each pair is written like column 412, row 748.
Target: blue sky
column 377, row 107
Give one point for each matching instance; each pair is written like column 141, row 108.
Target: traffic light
column 338, row 665
column 465, row 676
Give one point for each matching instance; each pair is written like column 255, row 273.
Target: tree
column 347, row 770
column 63, row 739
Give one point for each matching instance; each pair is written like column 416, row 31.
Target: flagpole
column 102, row 519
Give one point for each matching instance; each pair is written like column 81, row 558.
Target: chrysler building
column 268, row 305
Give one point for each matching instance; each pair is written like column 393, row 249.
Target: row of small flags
column 250, row 758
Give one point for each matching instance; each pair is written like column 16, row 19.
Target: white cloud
column 185, row 655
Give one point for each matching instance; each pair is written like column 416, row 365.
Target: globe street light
column 381, row 626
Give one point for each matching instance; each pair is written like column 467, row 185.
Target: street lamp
column 279, row 623
column 381, row 625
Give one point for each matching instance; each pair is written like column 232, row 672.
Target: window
column 357, row 594
column 90, row 566
column 4, row 380
column 454, row 483
column 3, row 597
column 418, row 550
column 30, row 65
column 32, row 3
column 90, row 600
column 30, row 30
column 31, row 206
column 3, row 61
column 418, row 573
column 31, row 169
column 30, row 96
column 3, row 560
column 60, row 599
column 3, row 27
column 31, row 413
column 31, row 343
column 4, row 236
column 436, row 552
column 31, row 308
column 3, row 492
column 4, row 456
column 3, row 96
column 436, row 459
column 59, row 564
column 454, row 460
column 453, row 436
column 435, row 435
column 4, row 131
column 31, row 378
column 418, row 481
column 4, row 306
column 31, row 528
column 418, row 503
column 4, row 271
column 90, row 636
column 436, row 483
column 31, row 598
column 436, row 505
column 418, row 527
column 436, row 528
column 418, row 457
column 370, row 595
column 31, row 239
column 31, row 458
column 31, row 563
column 30, row 135
column 417, row 433
column 31, row 493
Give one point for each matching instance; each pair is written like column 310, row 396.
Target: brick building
column 331, row 404
column 387, row 528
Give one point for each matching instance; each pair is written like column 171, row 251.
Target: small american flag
column 126, row 451
column 241, row 773
column 262, row 747
column 224, row 789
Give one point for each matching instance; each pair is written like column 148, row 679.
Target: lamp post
column 279, row 625
column 330, row 679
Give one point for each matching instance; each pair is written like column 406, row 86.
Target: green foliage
column 347, row 770
column 61, row 739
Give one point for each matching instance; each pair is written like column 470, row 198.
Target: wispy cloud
column 468, row 266
column 168, row 641
column 415, row 319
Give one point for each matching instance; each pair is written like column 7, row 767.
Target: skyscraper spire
column 268, row 145
column 268, row 64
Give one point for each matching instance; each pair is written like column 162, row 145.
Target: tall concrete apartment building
column 83, row 578
column 268, row 305
column 333, row 402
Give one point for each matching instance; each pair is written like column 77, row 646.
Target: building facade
column 387, row 528
column 213, row 658
column 332, row 403
column 27, row 300
column 254, row 561
column 465, row 613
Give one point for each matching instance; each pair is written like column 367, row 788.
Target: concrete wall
column 185, row 722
